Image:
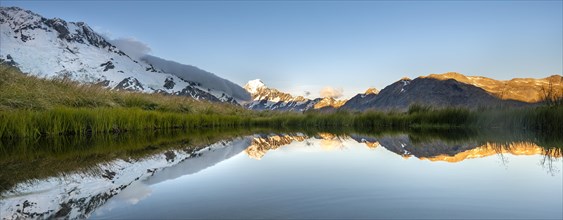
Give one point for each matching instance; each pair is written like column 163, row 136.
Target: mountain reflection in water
column 124, row 181
column 435, row 150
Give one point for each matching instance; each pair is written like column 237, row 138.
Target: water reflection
column 128, row 180
column 434, row 150
column 201, row 160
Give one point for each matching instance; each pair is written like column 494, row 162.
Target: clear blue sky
column 304, row 46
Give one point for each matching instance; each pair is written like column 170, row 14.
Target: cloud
column 328, row 91
column 131, row 46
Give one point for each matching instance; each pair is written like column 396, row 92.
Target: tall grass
column 86, row 121
column 33, row 107
column 82, row 121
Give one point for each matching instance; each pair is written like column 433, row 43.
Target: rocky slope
column 265, row 98
column 528, row 90
column 455, row 90
column 57, row 48
column 360, row 101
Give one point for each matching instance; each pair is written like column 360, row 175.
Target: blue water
column 330, row 177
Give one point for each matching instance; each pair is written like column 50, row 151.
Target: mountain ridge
column 55, row 48
column 265, row 98
column 453, row 89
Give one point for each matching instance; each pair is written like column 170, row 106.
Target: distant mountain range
column 55, row 48
column 456, row 90
column 437, row 90
column 264, row 98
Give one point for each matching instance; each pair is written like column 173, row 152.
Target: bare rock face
column 129, row 84
column 169, row 83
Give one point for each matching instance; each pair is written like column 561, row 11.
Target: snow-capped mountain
column 57, row 48
column 264, row 98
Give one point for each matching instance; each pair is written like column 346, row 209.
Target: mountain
column 520, row 89
column 437, row 90
column 264, row 98
column 55, row 48
column 204, row 79
column 455, row 90
column 360, row 101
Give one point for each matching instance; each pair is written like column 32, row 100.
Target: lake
column 285, row 175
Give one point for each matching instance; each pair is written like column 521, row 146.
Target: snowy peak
column 265, row 98
column 22, row 22
column 253, row 85
column 259, row 91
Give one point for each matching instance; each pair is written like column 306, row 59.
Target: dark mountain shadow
column 429, row 92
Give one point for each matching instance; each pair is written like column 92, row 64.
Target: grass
column 32, row 107
column 83, row 121
column 23, row 92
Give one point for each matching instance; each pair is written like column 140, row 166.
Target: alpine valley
column 100, row 127
column 54, row 48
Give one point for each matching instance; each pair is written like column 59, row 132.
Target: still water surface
column 325, row 176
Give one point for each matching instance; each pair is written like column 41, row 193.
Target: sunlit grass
column 35, row 107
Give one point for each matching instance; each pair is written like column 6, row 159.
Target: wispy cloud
column 328, row 91
column 131, row 46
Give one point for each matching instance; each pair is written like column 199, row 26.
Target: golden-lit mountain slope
column 521, row 89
